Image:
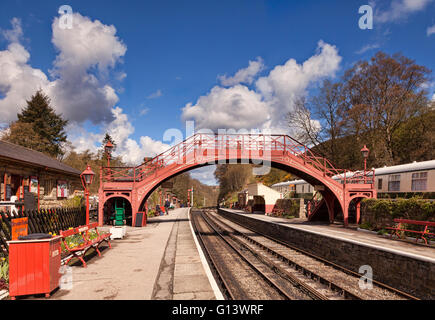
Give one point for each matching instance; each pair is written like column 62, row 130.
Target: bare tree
column 379, row 96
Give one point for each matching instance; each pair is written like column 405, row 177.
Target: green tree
column 49, row 126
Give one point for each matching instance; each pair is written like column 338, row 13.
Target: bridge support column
column 358, row 210
column 101, row 203
column 330, row 203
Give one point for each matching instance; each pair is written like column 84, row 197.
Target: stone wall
column 414, row 276
column 290, row 207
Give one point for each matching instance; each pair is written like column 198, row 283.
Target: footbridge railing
column 260, row 146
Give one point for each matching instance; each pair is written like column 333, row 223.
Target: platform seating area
column 401, row 227
column 88, row 237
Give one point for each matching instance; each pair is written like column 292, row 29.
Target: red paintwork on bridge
column 137, row 183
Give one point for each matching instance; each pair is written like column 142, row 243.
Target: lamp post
column 365, row 153
column 87, row 176
column 108, row 148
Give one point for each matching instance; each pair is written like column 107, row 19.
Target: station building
column 260, row 198
column 35, row 179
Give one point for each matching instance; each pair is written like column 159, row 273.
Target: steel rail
column 272, row 283
column 310, row 291
column 331, row 264
column 314, row 276
column 212, row 262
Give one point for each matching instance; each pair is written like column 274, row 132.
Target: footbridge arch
column 338, row 187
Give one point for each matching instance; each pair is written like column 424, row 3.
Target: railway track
column 240, row 274
column 311, row 276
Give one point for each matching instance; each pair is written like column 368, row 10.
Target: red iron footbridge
column 338, row 187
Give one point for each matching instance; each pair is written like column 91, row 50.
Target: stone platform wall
column 411, row 275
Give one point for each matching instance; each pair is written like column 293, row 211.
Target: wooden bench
column 87, row 243
column 420, row 234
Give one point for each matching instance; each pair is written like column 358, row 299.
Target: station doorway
column 110, row 208
column 259, row 205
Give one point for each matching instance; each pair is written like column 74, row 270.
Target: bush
column 4, row 273
column 290, row 207
column 379, row 213
column 75, row 202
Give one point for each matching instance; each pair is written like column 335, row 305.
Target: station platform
column 159, row 261
column 362, row 237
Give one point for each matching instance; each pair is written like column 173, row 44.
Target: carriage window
column 419, row 181
column 394, row 182
column 379, row 184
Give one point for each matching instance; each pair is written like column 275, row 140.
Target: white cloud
column 120, row 129
column 430, row 30
column 16, row 33
column 86, row 52
column 18, row 81
column 239, row 107
column 205, row 175
column 155, row 95
column 144, row 111
column 245, row 75
column 79, row 90
column 236, row 107
column 400, row 10
column 368, row 47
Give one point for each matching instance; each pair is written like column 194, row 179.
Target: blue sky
column 171, row 53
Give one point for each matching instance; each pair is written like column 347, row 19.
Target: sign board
column 8, row 192
column 319, row 188
column 62, row 189
column 19, row 227
column 34, row 184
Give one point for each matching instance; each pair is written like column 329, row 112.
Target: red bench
column 420, row 234
column 87, row 243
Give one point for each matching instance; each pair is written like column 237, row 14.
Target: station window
column 419, row 181
column 394, row 182
column 379, row 184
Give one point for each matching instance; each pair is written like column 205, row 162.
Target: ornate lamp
column 365, row 153
column 87, row 177
column 108, row 148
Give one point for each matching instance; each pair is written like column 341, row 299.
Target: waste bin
column 34, row 266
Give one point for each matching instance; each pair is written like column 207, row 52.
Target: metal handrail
column 189, row 149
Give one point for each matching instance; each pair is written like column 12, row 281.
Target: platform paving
column 164, row 249
column 338, row 231
column 182, row 275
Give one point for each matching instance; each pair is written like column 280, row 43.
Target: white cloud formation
column 205, row 175
column 79, row 89
column 86, row 52
column 240, row 107
column 18, row 81
column 400, row 9
column 236, row 107
column 120, row 129
column 245, row 75
column 16, row 33
column 430, row 30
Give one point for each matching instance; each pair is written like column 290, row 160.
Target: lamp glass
column 88, row 178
